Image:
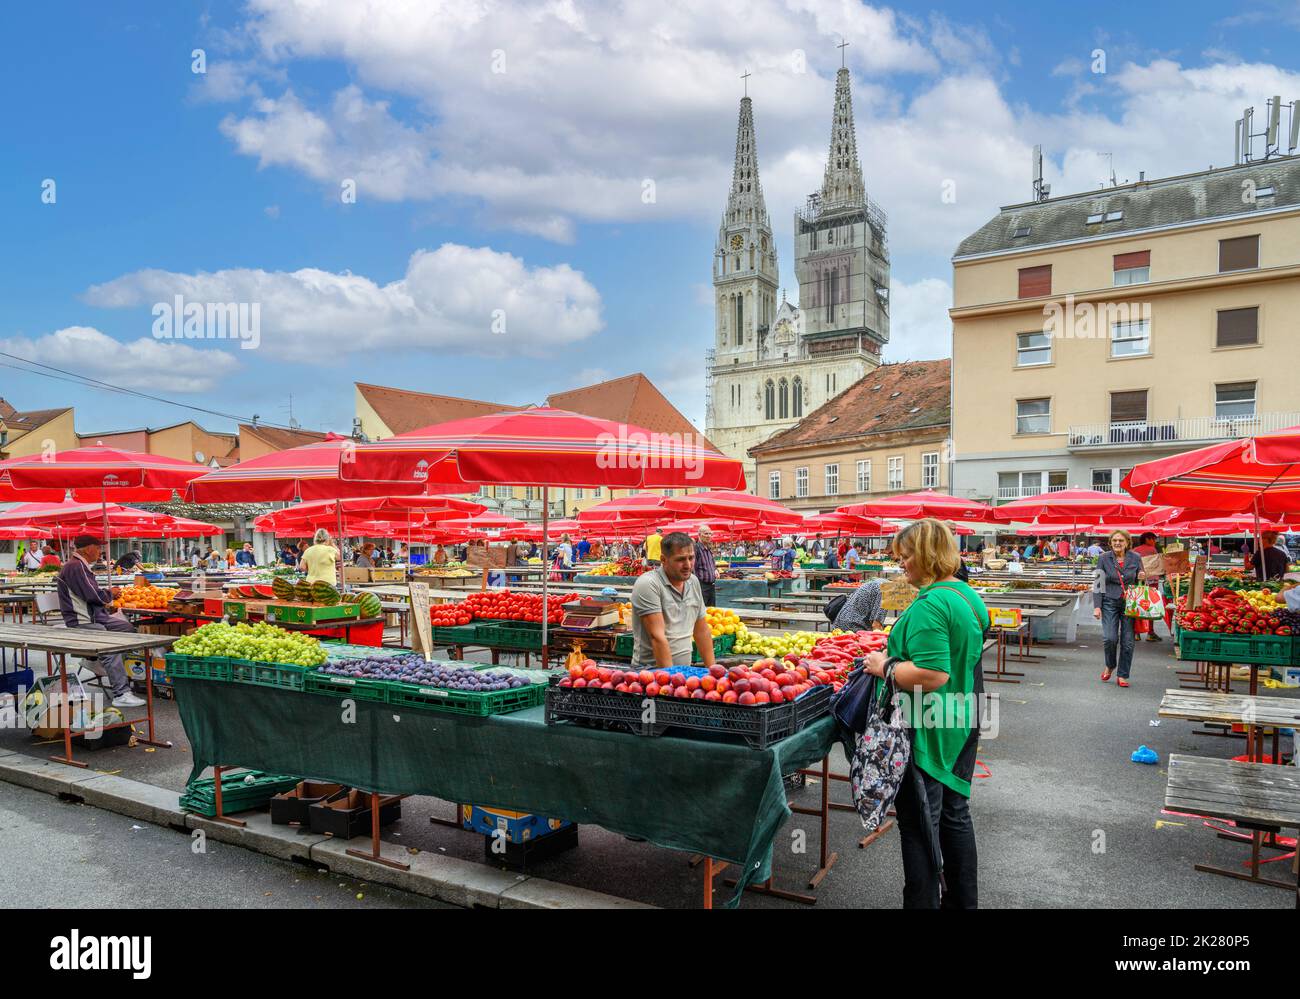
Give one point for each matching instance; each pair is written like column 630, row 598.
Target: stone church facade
column 773, row 362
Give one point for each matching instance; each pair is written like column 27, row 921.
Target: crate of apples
column 766, row 682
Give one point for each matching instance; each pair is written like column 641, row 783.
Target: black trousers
column 710, row 594
column 931, row 815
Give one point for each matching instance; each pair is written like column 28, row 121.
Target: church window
column 737, row 267
column 798, row 397
column 769, row 401
column 751, row 258
column 740, row 320
column 784, row 399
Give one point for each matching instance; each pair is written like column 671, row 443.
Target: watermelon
column 324, row 593
column 282, row 589
column 369, row 605
column 302, row 592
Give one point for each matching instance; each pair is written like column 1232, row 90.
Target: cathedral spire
column 745, row 202
column 843, row 186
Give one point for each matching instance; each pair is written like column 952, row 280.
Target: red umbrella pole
column 546, row 575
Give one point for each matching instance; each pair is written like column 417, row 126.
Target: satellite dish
column 198, row 456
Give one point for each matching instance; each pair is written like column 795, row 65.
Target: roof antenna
column 1110, row 158
column 1041, row 191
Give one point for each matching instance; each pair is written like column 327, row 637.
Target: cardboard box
column 356, row 574
column 517, row 827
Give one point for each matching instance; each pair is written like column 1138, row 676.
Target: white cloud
column 450, row 298
column 154, row 365
column 919, row 328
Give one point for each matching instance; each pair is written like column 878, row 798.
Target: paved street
column 67, row 855
column 1060, row 780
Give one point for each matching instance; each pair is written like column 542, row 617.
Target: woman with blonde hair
column 934, row 655
column 1116, row 569
column 321, row 559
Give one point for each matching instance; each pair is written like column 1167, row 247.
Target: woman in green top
column 936, row 647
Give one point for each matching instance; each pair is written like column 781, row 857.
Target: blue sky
column 500, row 153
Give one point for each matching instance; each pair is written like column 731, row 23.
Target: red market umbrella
column 926, row 503
column 27, row 533
column 308, row 472
column 636, row 506
column 544, row 447
column 1070, row 506
column 1255, row 475
column 1218, row 526
column 484, row 522
column 732, row 506
column 845, row 525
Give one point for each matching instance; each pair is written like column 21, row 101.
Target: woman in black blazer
column 1116, row 569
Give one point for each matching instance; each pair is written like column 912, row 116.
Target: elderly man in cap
column 84, row 605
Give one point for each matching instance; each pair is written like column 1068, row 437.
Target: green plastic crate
column 237, row 794
column 1209, row 646
column 360, row 688
column 285, row 676
column 509, row 635
column 309, row 614
column 624, row 645
column 496, row 702
column 462, row 634
column 720, row 647
column 197, row 667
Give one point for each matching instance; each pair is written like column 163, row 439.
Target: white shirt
column 32, row 559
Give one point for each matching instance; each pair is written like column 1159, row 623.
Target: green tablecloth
column 720, row 798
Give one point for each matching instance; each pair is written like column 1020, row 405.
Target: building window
column 896, row 472
column 1130, row 339
column 530, row 493
column 773, row 485
column 769, row 400
column 1035, row 281
column 783, row 397
column 1102, row 479
column 1018, row 485
column 864, row 476
column 1128, row 407
column 1033, row 416
column 740, row 318
column 577, row 493
column 1234, row 401
column 832, row 480
column 797, row 389
column 1032, row 349
column 1237, row 327
column 1132, row 268
column 502, row 492
column 801, row 482
column 930, row 470
column 1240, row 254
column 596, row 492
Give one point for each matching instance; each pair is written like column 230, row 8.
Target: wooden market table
column 816, row 622
column 1257, row 796
column 1256, row 713
column 58, row 641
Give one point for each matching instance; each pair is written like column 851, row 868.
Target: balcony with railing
column 1164, row 433
column 1024, row 492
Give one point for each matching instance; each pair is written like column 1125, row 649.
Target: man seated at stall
column 668, row 609
column 84, row 605
column 1273, row 560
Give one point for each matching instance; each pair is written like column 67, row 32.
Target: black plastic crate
column 759, row 725
column 290, row 808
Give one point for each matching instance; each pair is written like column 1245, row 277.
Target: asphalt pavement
column 64, row 855
column 1063, row 819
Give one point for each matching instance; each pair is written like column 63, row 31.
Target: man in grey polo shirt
column 668, row 609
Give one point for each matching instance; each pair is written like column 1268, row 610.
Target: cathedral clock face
column 737, row 242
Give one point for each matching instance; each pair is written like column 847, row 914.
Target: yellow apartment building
column 1098, row 330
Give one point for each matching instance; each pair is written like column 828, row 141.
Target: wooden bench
column 1260, row 797
column 1256, row 713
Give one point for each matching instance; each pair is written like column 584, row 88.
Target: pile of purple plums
column 413, row 669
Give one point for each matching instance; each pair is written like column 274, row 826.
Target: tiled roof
column 30, row 419
column 279, row 439
column 894, row 397
column 403, row 410
column 631, row 399
column 1196, row 197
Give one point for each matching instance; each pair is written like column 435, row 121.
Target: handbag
column 1143, row 601
column 833, row 606
column 880, row 757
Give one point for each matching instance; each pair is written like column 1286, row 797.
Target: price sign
column 421, row 633
column 1197, row 591
column 896, row 594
